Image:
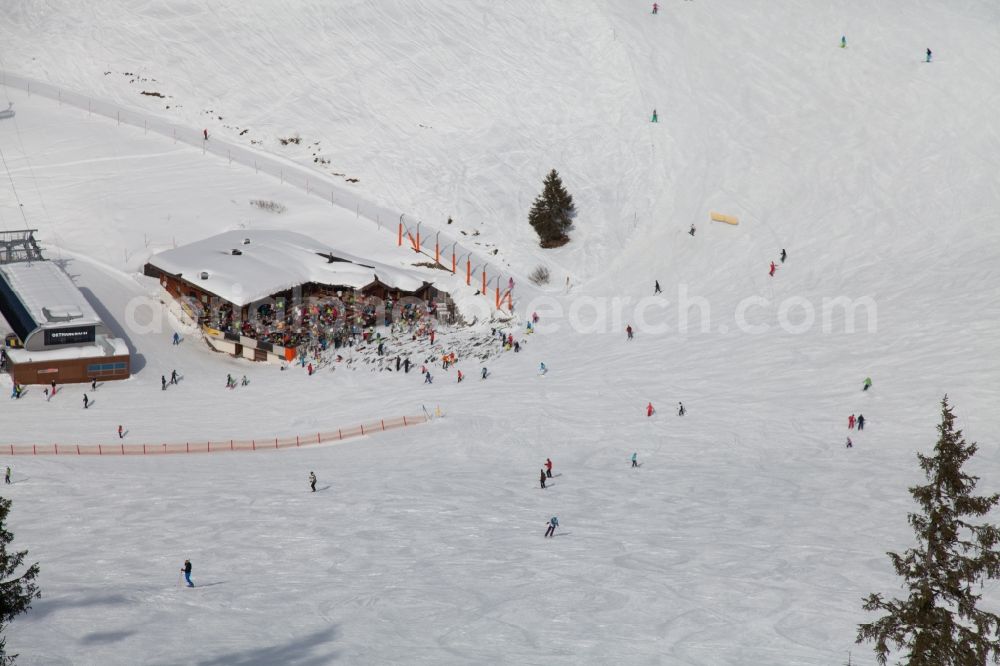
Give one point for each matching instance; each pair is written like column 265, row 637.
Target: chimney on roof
column 204, row 275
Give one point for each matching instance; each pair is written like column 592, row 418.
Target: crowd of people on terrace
column 318, row 325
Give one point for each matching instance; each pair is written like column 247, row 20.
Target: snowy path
column 313, row 182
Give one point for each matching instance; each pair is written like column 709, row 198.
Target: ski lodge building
column 56, row 334
column 225, row 281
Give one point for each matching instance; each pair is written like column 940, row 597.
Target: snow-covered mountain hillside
column 748, row 535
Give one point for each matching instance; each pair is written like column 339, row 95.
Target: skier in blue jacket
column 187, row 572
column 553, row 524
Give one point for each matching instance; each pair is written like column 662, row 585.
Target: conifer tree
column 16, row 594
column 939, row 624
column 552, row 212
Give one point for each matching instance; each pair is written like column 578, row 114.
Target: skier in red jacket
column 548, row 467
column 850, row 422
column 773, row 268
column 649, row 409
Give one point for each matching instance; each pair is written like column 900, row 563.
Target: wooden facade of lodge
column 183, row 289
column 70, row 371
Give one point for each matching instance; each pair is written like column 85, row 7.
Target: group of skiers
column 18, row 390
column 546, row 472
column 550, row 529
column 173, row 380
column 858, row 421
column 774, row 267
column 449, row 360
column 650, row 410
column 231, row 381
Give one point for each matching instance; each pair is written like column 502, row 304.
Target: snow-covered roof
column 41, row 295
column 101, row 348
column 273, row 261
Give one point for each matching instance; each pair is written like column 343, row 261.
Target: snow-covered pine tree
column 939, row 623
column 16, row 594
column 552, row 212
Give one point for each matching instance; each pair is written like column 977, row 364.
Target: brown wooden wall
column 71, row 371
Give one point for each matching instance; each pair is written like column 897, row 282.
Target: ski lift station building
column 57, row 335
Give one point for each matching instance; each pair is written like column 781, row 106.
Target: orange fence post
column 437, row 253
column 454, row 261
column 400, row 234
column 418, row 238
column 484, row 282
column 498, row 298
column 510, row 302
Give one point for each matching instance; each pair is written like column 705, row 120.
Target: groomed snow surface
column 748, row 535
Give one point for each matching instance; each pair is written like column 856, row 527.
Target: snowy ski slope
column 749, row 534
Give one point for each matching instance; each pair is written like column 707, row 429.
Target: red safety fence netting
column 217, row 446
